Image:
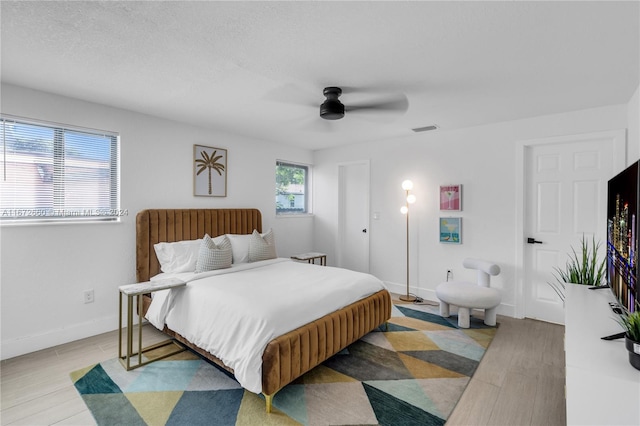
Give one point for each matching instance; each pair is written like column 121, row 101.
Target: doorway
column 564, row 182
column 353, row 216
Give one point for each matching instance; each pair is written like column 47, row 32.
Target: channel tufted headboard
column 169, row 225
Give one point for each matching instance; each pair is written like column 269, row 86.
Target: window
column 292, row 188
column 55, row 173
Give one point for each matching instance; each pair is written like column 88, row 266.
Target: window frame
column 57, row 214
column 307, row 211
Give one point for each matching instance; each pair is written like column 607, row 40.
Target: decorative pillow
column 240, row 247
column 180, row 256
column 213, row 255
column 262, row 247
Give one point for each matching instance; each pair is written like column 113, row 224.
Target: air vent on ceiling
column 425, row 128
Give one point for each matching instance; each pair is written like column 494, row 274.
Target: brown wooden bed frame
column 288, row 356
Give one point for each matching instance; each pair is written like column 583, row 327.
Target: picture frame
column 451, row 197
column 451, row 230
column 209, row 171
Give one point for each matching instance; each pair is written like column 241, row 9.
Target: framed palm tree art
column 209, row 171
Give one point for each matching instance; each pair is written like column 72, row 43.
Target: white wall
column 482, row 159
column 44, row 269
column 633, row 119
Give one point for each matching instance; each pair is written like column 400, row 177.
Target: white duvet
column 233, row 313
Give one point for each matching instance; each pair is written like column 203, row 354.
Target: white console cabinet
column 602, row 388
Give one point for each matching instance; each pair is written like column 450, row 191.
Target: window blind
column 53, row 172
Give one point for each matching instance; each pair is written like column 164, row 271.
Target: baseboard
column 505, row 309
column 426, row 294
column 27, row 344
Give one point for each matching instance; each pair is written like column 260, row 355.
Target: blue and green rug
column 413, row 373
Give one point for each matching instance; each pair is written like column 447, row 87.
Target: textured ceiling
column 258, row 68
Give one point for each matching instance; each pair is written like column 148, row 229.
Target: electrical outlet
column 88, row 296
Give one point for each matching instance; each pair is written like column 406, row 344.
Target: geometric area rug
column 413, row 373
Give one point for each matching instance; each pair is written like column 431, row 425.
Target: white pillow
column 180, row 256
column 262, row 247
column 213, row 256
column 240, row 247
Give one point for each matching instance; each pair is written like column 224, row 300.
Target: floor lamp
column 407, row 185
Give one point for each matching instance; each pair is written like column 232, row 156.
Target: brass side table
column 138, row 290
column 311, row 258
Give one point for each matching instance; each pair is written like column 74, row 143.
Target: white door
column 353, row 250
column 565, row 187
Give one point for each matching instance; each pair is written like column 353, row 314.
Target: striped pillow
column 214, row 256
column 262, row 247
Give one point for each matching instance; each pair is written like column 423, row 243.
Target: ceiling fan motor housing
column 332, row 108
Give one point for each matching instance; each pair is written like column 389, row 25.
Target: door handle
column 533, row 241
column 364, row 230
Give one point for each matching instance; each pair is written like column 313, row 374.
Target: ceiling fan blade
column 398, row 104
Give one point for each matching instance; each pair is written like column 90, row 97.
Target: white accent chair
column 467, row 296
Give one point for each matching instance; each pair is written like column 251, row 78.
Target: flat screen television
column 622, row 236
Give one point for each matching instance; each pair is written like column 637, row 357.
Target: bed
column 287, row 356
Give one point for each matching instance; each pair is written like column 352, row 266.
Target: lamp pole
column 407, row 185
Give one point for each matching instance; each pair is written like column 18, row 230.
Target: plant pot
column 634, row 352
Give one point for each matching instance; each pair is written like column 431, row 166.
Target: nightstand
column 311, row 258
column 138, row 290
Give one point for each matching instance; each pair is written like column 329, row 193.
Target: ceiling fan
column 333, row 109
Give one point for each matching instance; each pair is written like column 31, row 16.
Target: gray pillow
column 262, row 247
column 214, row 256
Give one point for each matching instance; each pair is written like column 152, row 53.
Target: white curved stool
column 467, row 296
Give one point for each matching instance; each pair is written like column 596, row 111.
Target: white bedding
column 233, row 313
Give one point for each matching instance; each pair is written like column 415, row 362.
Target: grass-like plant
column 630, row 321
column 581, row 268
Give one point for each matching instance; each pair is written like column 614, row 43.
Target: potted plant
column 630, row 321
column 585, row 267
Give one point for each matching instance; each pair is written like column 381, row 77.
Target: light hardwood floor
column 520, row 380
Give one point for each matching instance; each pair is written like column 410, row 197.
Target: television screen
column 622, row 236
